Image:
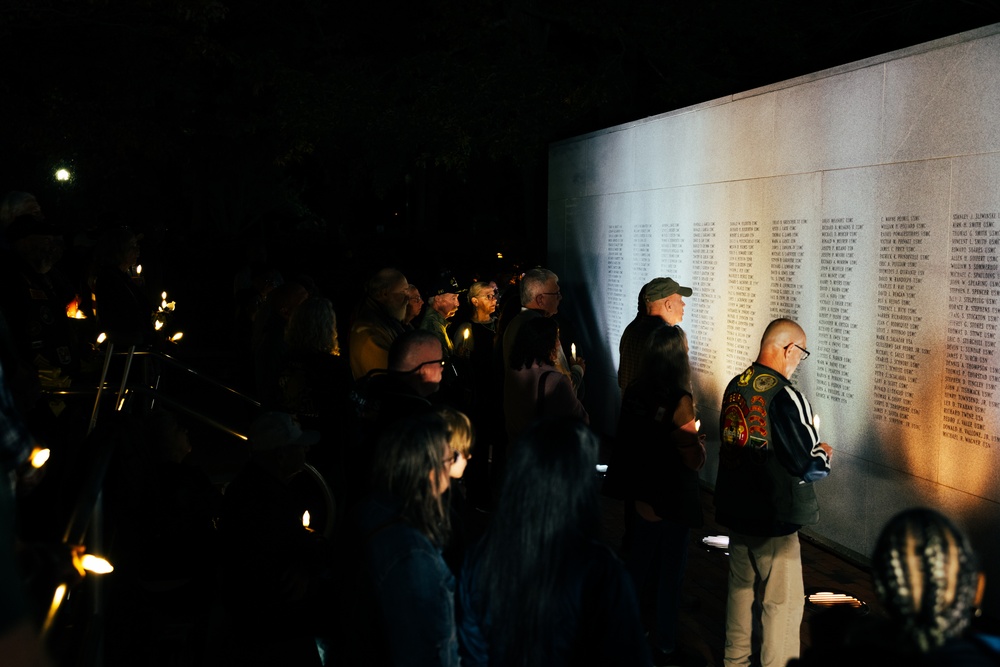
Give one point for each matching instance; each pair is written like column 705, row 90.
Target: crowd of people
column 448, row 426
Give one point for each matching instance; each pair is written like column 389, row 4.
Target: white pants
column 776, row 562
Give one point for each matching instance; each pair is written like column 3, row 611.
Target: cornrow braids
column 926, row 576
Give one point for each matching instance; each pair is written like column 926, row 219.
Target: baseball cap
column 659, row 288
column 445, row 283
column 272, row 430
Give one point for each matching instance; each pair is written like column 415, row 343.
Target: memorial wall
column 863, row 202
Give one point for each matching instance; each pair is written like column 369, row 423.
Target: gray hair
column 533, row 283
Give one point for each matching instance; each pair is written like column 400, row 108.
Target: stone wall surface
column 862, row 201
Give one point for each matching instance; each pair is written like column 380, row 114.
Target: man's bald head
column 782, row 346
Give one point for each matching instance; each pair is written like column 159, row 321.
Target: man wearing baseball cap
column 660, row 302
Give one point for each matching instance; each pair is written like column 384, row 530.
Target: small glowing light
column 57, row 599
column 716, row 541
column 169, row 305
column 305, row 519
column 697, row 424
column 499, row 255
column 572, row 351
column 816, row 422
column 157, row 325
column 831, row 599
column 39, row 455
column 465, row 334
column 62, row 175
column 73, row 310
column 121, row 404
column 101, row 337
column 602, row 468
column 164, row 296
column 138, row 269
column 96, row 564
column 176, row 337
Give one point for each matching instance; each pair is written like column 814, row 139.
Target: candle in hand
column 572, row 351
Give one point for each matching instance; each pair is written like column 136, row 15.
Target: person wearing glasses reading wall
column 769, row 457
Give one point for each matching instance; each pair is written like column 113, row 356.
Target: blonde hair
column 460, row 432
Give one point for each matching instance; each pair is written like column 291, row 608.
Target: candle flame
column 57, row 599
column 96, row 564
column 177, row 336
column 697, row 424
column 305, row 519
column 157, row 325
column 465, row 334
column 572, row 350
column 73, row 310
column 138, row 269
column 101, row 337
column 39, row 455
column 163, row 296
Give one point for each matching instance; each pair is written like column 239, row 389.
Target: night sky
column 380, row 129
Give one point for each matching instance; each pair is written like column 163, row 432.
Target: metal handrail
column 178, row 364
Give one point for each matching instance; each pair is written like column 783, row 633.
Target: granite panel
column 832, row 123
column 943, row 103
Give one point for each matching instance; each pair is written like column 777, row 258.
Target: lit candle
column 96, row 564
column 572, row 351
column 305, row 519
column 697, row 424
column 39, row 455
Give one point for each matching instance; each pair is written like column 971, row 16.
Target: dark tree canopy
column 224, row 112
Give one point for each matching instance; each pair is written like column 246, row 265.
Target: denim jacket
column 414, row 588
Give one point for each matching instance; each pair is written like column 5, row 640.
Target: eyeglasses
column 439, row 362
column 489, row 295
column 558, row 294
column 416, row 299
column 805, row 352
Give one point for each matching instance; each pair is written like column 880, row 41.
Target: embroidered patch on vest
column 764, row 382
column 745, row 378
column 734, row 424
column 757, row 420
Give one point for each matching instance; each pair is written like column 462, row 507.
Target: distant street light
column 62, row 175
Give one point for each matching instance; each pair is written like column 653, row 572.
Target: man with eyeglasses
column 479, row 392
column 770, row 456
column 540, row 297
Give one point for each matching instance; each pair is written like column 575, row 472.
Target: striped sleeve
column 796, row 437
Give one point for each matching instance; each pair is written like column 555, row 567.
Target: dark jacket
column 649, row 465
column 769, row 456
column 414, row 589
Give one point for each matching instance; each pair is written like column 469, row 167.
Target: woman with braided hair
column 927, row 578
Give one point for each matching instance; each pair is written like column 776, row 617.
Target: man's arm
column 797, row 441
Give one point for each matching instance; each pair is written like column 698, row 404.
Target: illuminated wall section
column 863, row 202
